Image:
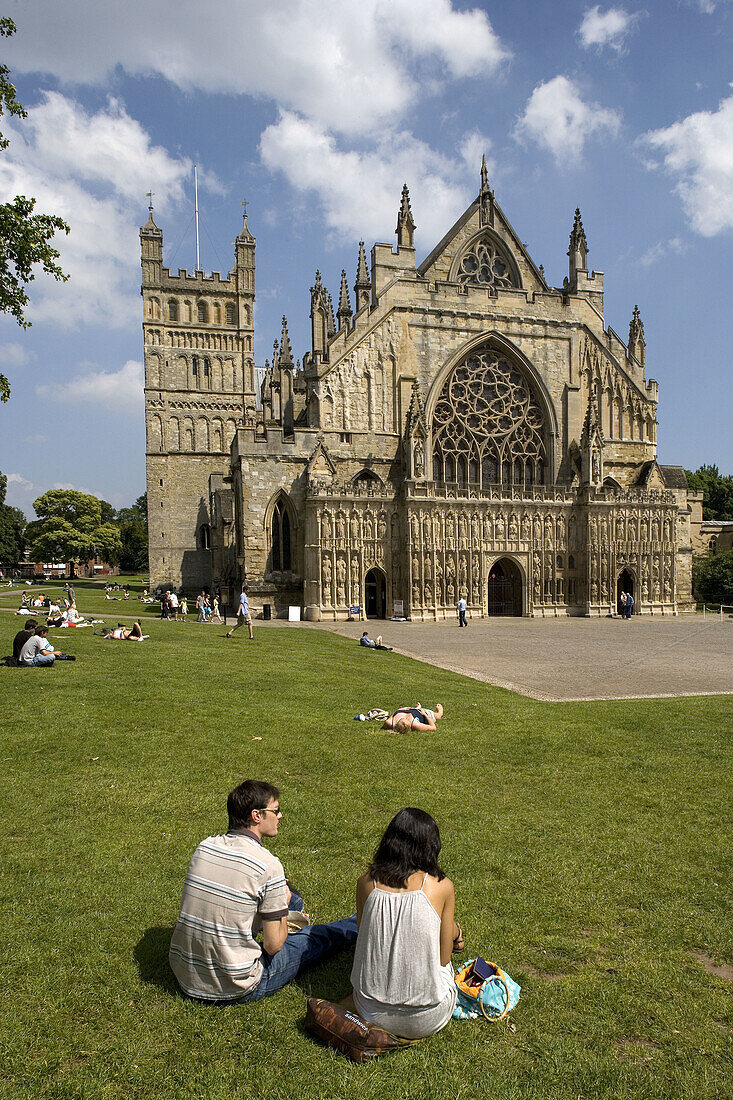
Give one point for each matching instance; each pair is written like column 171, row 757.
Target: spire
column 637, row 343
column 330, row 319
column 577, row 252
column 275, row 355
column 362, row 286
column 286, row 352
column 405, row 224
column 344, row 310
column 486, row 196
column 244, row 233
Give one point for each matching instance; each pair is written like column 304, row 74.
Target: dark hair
column 31, row 624
column 42, row 629
column 411, row 843
column 248, row 796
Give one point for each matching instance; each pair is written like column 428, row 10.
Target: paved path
column 572, row 659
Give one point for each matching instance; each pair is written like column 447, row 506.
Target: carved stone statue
column 418, row 458
column 326, row 525
column 326, row 580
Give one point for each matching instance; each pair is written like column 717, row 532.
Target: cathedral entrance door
column 505, row 588
column 375, row 594
column 625, row 584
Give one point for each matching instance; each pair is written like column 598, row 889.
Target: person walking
column 462, row 610
column 243, row 616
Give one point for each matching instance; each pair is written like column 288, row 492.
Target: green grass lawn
column 589, row 845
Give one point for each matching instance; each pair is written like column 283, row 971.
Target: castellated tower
column 198, row 333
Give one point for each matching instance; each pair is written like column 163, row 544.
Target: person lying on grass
column 121, row 633
column 402, row 976
column 413, row 718
column 236, row 889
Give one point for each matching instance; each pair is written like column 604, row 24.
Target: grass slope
column 589, row 845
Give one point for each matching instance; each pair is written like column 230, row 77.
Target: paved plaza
column 571, row 659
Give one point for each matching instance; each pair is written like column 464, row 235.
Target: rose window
column 488, row 426
column 486, row 263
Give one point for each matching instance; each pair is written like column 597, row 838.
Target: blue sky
column 316, row 112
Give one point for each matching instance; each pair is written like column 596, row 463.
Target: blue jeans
column 302, row 949
column 43, row 659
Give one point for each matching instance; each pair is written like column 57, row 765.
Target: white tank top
column 397, row 957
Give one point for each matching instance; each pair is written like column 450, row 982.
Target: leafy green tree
column 12, row 527
column 70, row 528
column 133, row 524
column 712, row 577
column 25, row 237
column 718, row 490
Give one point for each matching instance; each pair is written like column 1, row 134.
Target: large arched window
column 488, row 417
column 280, row 538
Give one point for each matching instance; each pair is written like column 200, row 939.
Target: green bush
column 712, row 577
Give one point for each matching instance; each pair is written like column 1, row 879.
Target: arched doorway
column 375, row 594
column 505, row 588
column 625, row 583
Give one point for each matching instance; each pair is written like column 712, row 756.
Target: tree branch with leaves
column 25, row 237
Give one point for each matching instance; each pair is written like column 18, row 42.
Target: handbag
column 494, row 998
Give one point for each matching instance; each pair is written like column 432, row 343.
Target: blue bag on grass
column 493, row 998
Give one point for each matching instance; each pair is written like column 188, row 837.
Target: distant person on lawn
column 235, row 889
column 243, row 615
column 369, row 643
column 418, row 718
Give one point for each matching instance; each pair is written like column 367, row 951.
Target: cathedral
column 463, row 429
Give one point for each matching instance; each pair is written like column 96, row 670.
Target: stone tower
column 198, row 333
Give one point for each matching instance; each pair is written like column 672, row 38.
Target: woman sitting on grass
column 413, row 718
column 402, row 974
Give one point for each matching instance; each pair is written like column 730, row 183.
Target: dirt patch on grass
column 543, row 975
column 633, row 1049
column 725, row 970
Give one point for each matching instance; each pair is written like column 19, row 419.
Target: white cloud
column 675, row 246
column 557, row 118
column 698, row 154
column 349, row 64
column 120, row 390
column 92, row 169
column 312, row 161
column 606, row 28
column 19, row 481
column 15, row 355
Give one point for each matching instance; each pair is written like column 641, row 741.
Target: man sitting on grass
column 22, row 637
column 365, row 640
column 39, row 651
column 235, row 889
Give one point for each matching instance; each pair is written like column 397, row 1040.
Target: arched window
column 280, row 536
column 204, row 537
column 172, row 309
column 487, row 263
column 473, row 471
column 217, row 313
column 230, row 313
column 203, row 313
column 571, row 562
column 488, row 417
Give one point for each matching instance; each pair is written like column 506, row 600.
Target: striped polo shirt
column 233, row 883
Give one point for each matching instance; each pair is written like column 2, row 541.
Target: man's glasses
column 270, row 810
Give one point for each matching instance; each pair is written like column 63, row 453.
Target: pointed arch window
column 281, row 541
column 203, row 313
column 487, row 262
column 488, row 418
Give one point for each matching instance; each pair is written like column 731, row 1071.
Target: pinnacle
column 362, row 275
column 286, row 352
column 484, row 174
column 344, row 309
column 405, row 214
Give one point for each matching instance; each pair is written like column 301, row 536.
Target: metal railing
column 721, row 609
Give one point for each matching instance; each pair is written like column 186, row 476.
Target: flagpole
column 196, row 204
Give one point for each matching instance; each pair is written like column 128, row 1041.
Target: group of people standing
column 404, row 928
column 626, row 605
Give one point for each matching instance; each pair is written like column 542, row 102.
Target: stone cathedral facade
column 466, row 429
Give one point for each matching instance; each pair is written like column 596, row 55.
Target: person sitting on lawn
column 406, row 719
column 38, row 651
column 22, row 637
column 236, row 889
column 365, row 640
column 405, row 908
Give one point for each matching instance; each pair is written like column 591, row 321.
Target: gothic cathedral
column 465, row 429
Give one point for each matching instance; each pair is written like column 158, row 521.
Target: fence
column 722, row 608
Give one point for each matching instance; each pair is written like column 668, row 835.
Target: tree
column 133, row 524
column 718, row 490
column 70, row 528
column 25, row 237
column 712, row 577
column 12, row 526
